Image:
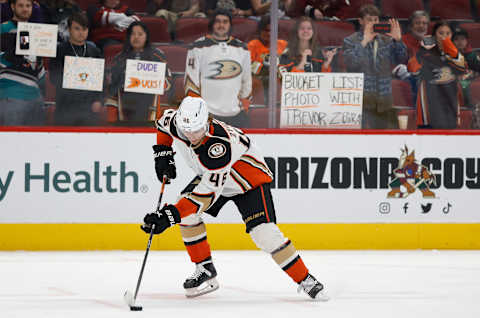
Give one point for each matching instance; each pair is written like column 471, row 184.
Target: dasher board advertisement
column 321, row 100
column 326, row 178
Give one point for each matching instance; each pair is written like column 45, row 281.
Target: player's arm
column 163, row 152
column 192, row 73
column 246, row 86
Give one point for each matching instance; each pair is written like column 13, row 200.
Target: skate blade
column 211, row 286
column 321, row 296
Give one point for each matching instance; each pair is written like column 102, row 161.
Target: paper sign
column 83, row 73
column 322, row 100
column 145, row 77
column 36, row 39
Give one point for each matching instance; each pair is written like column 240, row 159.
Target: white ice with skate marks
column 360, row 283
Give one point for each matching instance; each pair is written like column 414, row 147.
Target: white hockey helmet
column 192, row 115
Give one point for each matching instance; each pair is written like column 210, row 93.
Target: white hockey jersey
column 219, row 72
column 227, row 163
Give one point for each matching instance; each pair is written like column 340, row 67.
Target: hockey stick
column 128, row 296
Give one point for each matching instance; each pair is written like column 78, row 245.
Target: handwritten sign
column 322, row 100
column 36, row 39
column 145, row 77
column 83, row 73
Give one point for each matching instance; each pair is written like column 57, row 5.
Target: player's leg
column 258, row 213
column 194, row 235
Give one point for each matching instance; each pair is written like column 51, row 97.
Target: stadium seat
column 351, row 11
column 176, row 57
column 179, row 93
column 109, row 53
column 158, row 29
column 473, row 30
column 402, row 93
column 284, row 28
column 136, row 5
column 244, row 29
column 451, row 9
column 331, row 33
column 400, row 9
column 190, row 29
column 258, row 93
column 84, row 4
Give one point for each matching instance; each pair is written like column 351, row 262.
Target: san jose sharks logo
column 410, row 176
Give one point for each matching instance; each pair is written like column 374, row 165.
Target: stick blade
column 128, row 297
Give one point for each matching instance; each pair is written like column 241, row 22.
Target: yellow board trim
column 73, row 237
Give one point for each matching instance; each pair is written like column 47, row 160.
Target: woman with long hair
column 135, row 108
column 439, row 64
column 303, row 53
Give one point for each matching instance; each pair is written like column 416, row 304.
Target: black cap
column 459, row 32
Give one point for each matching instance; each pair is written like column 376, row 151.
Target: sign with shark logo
column 84, row 73
column 146, row 77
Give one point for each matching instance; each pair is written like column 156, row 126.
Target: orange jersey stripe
column 164, row 139
column 253, row 175
column 186, row 207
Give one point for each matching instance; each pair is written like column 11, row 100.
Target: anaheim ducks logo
column 225, row 69
column 442, row 75
column 216, row 150
column 83, row 77
column 134, row 82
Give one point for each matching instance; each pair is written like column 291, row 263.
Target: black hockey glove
column 162, row 219
column 164, row 162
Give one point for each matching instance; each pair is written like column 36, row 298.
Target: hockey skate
column 202, row 281
column 313, row 288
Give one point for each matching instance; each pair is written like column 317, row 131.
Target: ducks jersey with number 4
column 227, row 162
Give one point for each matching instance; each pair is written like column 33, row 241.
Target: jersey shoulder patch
column 215, row 153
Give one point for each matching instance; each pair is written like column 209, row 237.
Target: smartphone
column 429, row 40
column 382, row 28
column 24, row 40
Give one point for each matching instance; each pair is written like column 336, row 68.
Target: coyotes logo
column 411, row 176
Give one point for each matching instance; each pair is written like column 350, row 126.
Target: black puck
column 136, row 308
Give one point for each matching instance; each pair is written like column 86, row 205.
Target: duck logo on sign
column 216, row 150
column 83, row 77
column 411, row 176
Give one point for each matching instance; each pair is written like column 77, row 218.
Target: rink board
column 68, row 190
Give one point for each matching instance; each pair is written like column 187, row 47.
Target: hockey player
column 218, row 70
column 228, row 166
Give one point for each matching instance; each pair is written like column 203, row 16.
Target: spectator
column 58, row 12
column 374, row 54
column 246, row 8
column 22, row 77
column 6, row 12
column 109, row 21
column 171, row 10
column 135, row 108
column 440, row 64
column 302, row 54
column 75, row 107
column 460, row 39
column 318, row 9
column 218, row 70
column 260, row 55
column 417, row 29
column 260, row 49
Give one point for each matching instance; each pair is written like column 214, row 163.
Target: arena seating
column 402, row 93
column 136, row 5
column 244, row 29
column 158, row 29
column 451, row 9
column 400, row 9
column 188, row 30
column 351, row 11
column 176, row 57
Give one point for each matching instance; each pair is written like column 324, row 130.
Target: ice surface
column 361, row 284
